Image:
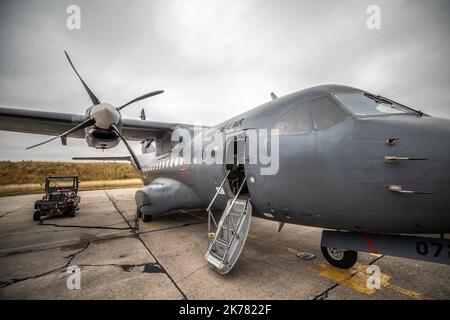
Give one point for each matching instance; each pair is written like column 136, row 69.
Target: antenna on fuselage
column 273, row 96
column 142, row 116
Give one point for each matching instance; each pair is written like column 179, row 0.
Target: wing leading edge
column 55, row 123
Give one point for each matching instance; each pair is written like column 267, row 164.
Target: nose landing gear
column 145, row 217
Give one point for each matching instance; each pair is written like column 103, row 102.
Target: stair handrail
column 227, row 214
column 210, row 215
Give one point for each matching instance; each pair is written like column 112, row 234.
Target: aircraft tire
column 147, row 218
column 71, row 212
column 36, row 216
column 342, row 259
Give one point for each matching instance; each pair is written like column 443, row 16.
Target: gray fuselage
column 334, row 177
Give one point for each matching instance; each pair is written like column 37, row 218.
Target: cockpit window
column 325, row 113
column 365, row 104
column 295, row 121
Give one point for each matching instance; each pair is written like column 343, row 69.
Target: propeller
column 103, row 116
column 94, row 99
column 87, row 123
column 133, row 155
column 144, row 96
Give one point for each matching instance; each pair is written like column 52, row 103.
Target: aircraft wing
column 55, row 123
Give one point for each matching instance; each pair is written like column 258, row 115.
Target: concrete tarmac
column 165, row 259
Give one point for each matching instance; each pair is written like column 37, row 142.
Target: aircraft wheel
column 343, row 259
column 147, row 218
column 71, row 212
column 36, row 216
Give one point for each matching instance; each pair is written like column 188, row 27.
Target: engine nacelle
column 102, row 139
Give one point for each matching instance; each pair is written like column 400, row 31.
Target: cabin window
column 325, row 113
column 295, row 121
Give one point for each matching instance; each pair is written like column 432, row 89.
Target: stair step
column 214, row 260
column 216, row 255
column 234, row 217
column 236, row 213
column 219, row 249
column 223, row 242
column 227, row 227
column 237, row 209
column 233, row 220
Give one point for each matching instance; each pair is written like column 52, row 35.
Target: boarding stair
column 231, row 233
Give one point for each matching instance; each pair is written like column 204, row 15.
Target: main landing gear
column 145, row 217
column 343, row 259
column 434, row 248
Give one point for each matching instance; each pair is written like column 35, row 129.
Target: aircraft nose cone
column 426, row 138
column 104, row 115
column 429, row 211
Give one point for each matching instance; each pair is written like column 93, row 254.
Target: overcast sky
column 214, row 59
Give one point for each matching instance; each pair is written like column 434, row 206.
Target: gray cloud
column 215, row 59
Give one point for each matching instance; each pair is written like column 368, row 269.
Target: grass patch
column 35, row 172
column 28, row 177
column 30, row 188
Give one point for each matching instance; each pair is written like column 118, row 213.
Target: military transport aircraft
column 373, row 172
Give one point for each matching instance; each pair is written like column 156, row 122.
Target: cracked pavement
column 164, row 259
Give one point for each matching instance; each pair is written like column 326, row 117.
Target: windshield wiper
column 378, row 98
column 382, row 99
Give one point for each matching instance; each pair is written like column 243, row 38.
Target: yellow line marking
column 406, row 292
column 356, row 279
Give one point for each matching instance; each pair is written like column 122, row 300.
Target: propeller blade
column 87, row 123
column 94, row 99
column 133, row 155
column 145, row 96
